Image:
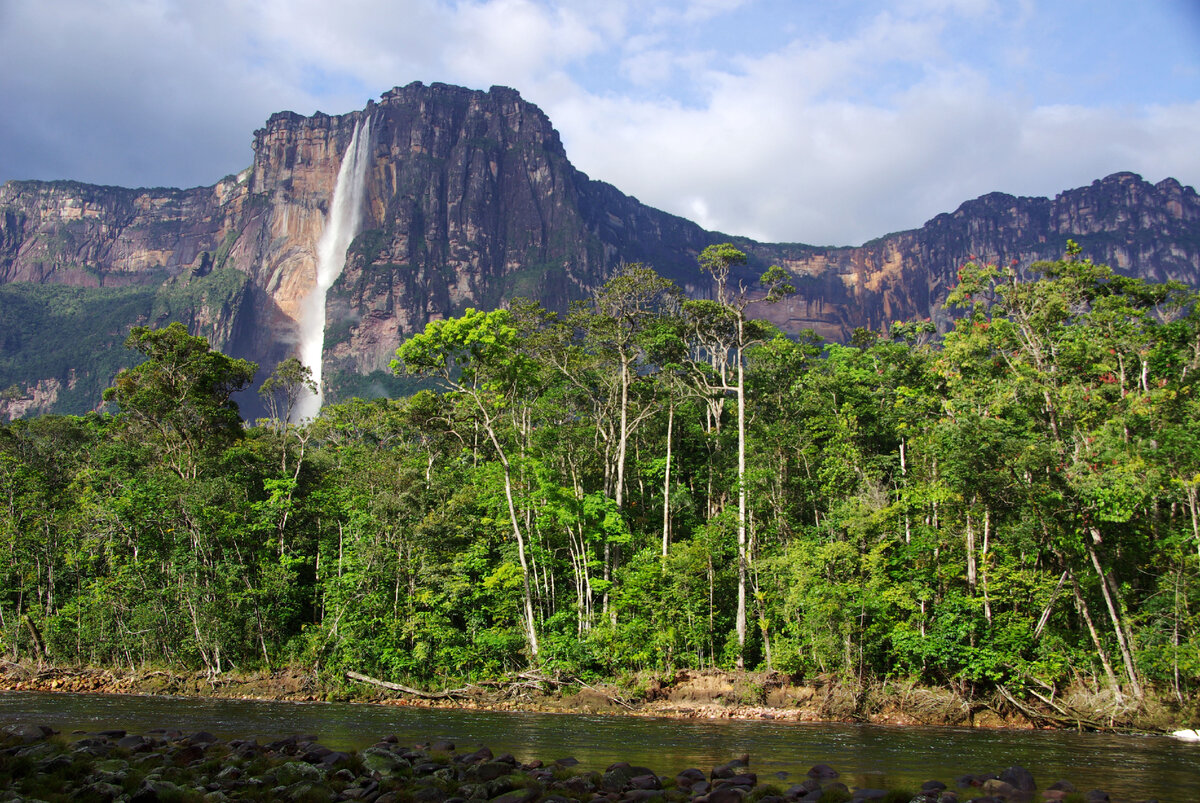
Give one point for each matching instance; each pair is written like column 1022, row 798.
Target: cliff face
column 1151, row 231
column 471, row 200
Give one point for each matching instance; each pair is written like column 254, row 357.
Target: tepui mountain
column 469, row 199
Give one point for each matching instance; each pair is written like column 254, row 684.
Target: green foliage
column 945, row 512
column 47, row 330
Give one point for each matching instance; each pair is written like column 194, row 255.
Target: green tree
column 732, row 299
column 180, row 399
column 477, row 356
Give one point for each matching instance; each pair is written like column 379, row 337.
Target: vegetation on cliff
column 1014, row 508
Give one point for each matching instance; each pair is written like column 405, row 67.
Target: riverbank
column 164, row 765
column 684, row 694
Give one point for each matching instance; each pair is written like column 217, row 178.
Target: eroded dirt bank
column 690, row 694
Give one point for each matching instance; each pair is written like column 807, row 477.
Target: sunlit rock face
column 470, row 200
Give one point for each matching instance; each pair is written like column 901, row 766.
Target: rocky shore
column 38, row 764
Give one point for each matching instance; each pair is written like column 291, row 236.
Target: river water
column 1128, row 767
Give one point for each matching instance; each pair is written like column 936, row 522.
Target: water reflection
column 1128, row 767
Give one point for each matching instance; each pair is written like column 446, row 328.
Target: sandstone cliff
column 470, row 200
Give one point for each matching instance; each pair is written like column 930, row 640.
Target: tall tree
column 180, row 398
column 477, row 357
column 733, row 297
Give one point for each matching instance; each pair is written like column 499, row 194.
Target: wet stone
column 998, row 788
column 295, row 772
column 52, row 765
column 199, row 737
column 383, row 761
column 498, row 786
column 134, row 743
column 428, row 794
column 24, row 734
column 335, row 758
column 518, row 796
column 747, row 780
column 822, row 771
column 648, row 781
column 480, row 755
column 101, row 791
column 726, row 794
column 1019, row 778
column 491, row 770
column 151, row 791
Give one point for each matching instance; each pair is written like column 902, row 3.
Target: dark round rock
column 726, row 794
column 648, row 781
column 1019, row 778
column 482, row 754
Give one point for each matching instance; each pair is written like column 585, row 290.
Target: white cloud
column 759, row 117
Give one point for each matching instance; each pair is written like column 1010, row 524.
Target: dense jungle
column 646, row 483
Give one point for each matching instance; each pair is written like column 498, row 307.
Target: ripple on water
column 1128, row 767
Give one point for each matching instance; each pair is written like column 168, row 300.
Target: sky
column 827, row 123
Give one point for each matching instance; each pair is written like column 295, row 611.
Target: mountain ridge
column 471, row 199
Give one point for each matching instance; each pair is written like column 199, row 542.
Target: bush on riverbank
column 708, row 694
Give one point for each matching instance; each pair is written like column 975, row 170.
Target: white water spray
column 345, row 218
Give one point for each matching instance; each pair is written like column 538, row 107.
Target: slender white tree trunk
column 741, row 479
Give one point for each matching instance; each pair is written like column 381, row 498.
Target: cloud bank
column 763, row 118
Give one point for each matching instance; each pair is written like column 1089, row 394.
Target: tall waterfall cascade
column 341, row 226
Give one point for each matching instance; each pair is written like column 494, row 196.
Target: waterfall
column 345, row 218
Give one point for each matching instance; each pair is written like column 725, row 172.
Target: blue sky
column 817, row 122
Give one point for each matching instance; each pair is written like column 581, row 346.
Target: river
column 1127, row 767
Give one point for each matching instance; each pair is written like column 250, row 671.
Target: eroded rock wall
column 471, row 200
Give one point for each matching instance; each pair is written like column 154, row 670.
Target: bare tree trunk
column 1084, row 611
column 971, row 571
column 1112, row 602
column 666, row 530
column 741, row 479
column 983, row 575
column 904, row 474
column 530, row 622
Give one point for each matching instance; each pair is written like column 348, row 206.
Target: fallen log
column 428, row 695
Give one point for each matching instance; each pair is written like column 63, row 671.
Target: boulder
column 490, row 770
column 294, row 772
column 997, row 787
column 1019, row 778
column 726, row 794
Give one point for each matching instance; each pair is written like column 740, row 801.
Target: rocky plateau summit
column 469, row 200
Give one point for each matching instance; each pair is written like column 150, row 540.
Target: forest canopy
column 648, row 483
